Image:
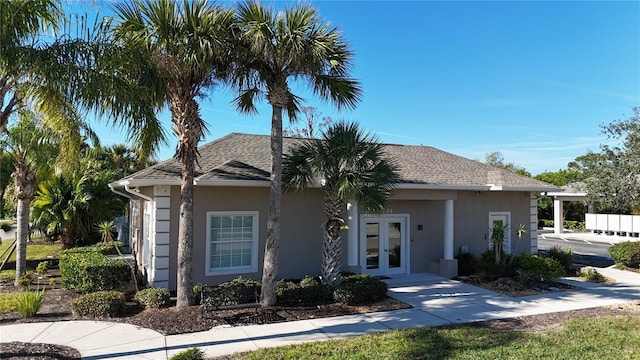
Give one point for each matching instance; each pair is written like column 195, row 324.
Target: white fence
column 613, row 224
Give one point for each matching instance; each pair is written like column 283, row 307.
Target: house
column 443, row 204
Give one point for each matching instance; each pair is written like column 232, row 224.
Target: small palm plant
column 352, row 167
column 106, row 230
column 497, row 238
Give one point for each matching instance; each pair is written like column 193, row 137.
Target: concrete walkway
column 436, row 301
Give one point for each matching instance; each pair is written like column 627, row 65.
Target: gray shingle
column 247, row 157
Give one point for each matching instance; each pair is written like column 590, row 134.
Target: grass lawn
column 584, row 338
column 35, row 252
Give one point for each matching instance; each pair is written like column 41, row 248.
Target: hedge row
column 87, row 270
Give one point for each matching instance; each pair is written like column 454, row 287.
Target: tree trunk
column 24, row 181
column 332, row 244
column 188, row 128
column 22, row 235
column 185, row 239
column 272, row 245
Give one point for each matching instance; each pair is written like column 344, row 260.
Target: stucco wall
column 302, row 218
column 301, row 235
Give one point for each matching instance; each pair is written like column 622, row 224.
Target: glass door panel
column 394, row 244
column 373, row 245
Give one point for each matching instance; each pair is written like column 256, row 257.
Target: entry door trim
column 405, row 244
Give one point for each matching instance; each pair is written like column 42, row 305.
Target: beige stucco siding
column 302, row 218
column 471, row 224
column 301, row 234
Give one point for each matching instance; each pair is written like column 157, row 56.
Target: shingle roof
column 245, row 157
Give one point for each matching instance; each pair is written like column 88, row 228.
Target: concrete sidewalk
column 435, row 300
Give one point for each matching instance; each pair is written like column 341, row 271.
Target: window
column 232, row 242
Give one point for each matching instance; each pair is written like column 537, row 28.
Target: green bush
column 574, row 225
column 591, row 274
column 360, row 289
column 489, row 256
column 153, row 297
column 99, row 304
column 540, row 267
column 27, row 303
column 466, row 263
column 237, row 291
column 42, row 267
column 189, row 354
column 564, row 257
column 87, row 270
column 491, row 271
column 26, row 280
column 626, row 253
column 308, row 291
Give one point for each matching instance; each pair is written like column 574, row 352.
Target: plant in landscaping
column 27, row 303
column 591, row 274
column 626, row 253
column 543, row 269
column 99, row 304
column 237, row 291
column 153, row 297
column 86, row 270
column 564, row 257
column 189, row 354
column 360, row 289
column 498, row 230
column 353, row 168
column 308, row 291
column 26, row 279
column 466, row 262
column 106, row 230
column 42, row 267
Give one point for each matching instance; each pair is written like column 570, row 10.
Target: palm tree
column 29, row 149
column 351, row 167
column 276, row 48
column 25, row 65
column 57, row 203
column 188, row 49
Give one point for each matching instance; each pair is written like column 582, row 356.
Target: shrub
column 189, row 354
column 197, row 293
column 466, row 263
column 26, row 279
column 626, row 253
column 360, row 289
column 564, row 257
column 88, row 271
column 489, row 256
column 28, row 303
column 591, row 274
column 42, row 267
column 308, row 292
column 491, row 271
column 236, row 291
column 153, row 297
column 540, row 267
column 99, row 304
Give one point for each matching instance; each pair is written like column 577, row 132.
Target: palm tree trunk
column 272, row 245
column 189, row 130
column 24, row 181
column 22, row 234
column 332, row 244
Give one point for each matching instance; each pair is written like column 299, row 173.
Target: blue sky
column 534, row 80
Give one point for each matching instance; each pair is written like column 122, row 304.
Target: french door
column 384, row 245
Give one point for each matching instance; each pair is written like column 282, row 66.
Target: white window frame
column 507, row 239
column 254, row 245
